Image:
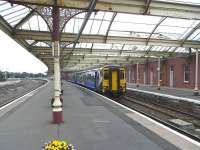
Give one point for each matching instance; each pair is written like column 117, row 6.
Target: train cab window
column 106, row 74
column 121, row 74
column 96, row 75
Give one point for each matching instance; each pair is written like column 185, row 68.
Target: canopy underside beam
column 45, row 36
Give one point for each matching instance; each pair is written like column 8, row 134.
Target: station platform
column 174, row 93
column 91, row 122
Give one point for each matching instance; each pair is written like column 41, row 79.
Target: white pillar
column 196, row 74
column 137, row 80
column 57, row 105
column 158, row 69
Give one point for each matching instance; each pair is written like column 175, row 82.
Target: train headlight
column 105, row 87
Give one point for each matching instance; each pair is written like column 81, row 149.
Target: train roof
column 99, row 68
column 112, row 66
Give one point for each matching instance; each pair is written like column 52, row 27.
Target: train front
column 114, row 81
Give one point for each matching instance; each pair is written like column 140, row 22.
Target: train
column 108, row 80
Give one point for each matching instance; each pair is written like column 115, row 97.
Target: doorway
column 171, row 76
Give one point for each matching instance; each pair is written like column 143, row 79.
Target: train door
column 114, row 77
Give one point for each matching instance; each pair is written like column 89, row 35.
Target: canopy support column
column 196, row 92
column 57, row 105
column 137, row 73
column 158, row 69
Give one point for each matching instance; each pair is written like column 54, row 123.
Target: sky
column 14, row 58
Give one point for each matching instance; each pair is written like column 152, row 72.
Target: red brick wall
column 178, row 66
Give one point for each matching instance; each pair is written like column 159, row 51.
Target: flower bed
column 58, row 145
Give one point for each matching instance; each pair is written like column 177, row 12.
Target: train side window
column 121, row 74
column 106, row 75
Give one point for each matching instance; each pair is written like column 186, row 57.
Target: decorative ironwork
column 65, row 15
column 46, row 13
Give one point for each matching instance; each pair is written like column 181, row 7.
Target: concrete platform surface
column 179, row 92
column 90, row 123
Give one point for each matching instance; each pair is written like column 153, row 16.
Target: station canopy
column 117, row 31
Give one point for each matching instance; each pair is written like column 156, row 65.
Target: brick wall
column 151, row 74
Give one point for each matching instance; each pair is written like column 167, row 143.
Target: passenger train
column 109, row 80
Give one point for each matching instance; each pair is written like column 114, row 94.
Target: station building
column 178, row 72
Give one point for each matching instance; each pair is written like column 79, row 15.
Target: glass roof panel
column 140, row 19
column 101, row 46
column 182, row 50
column 30, row 41
column 131, row 27
column 141, row 48
column 83, row 45
column 108, row 15
column 117, row 46
column 128, row 34
column 174, row 28
column 88, row 27
column 13, row 14
column 194, row 50
column 172, row 49
column 70, row 26
column 41, row 44
column 95, row 27
column 195, row 35
column 98, row 15
column 174, row 22
column 171, row 32
column 97, row 24
column 77, row 25
column 69, row 46
column 74, row 24
column 104, row 27
column 35, row 23
column 119, row 33
column 130, row 47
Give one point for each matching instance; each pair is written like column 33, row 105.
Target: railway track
column 167, row 107
column 11, row 92
column 163, row 115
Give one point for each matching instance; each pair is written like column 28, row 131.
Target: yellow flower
column 56, row 145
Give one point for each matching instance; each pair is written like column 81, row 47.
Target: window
column 186, row 72
column 106, row 75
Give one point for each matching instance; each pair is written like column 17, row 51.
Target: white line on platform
column 167, row 95
column 159, row 124
column 21, row 98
